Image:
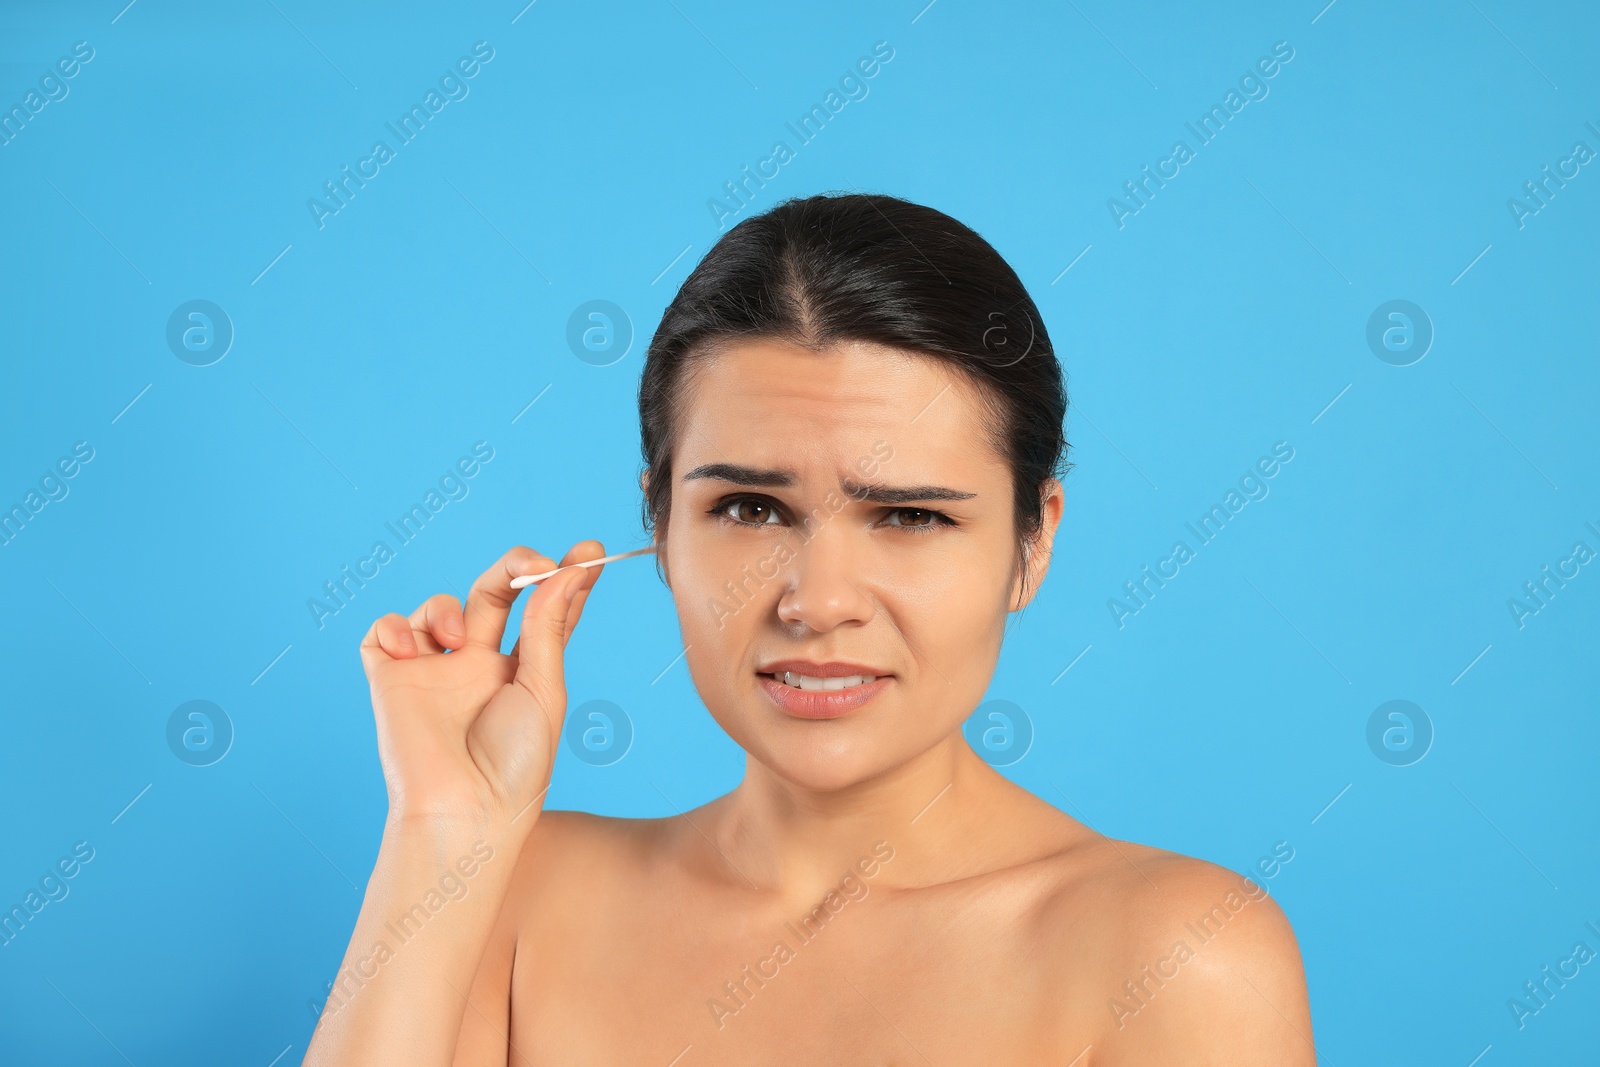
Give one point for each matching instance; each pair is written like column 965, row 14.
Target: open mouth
column 811, row 683
column 811, row 696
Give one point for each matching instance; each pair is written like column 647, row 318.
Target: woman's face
column 845, row 510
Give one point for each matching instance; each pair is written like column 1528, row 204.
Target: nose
column 825, row 588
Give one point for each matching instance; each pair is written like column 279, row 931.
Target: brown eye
column 747, row 510
column 916, row 517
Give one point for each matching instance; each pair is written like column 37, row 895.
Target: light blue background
column 1223, row 317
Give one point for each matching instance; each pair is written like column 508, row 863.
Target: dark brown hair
column 836, row 267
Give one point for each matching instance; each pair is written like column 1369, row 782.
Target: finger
column 437, row 623
column 516, row 735
column 578, row 553
column 575, row 612
column 389, row 636
column 542, row 642
column 490, row 598
column 582, row 552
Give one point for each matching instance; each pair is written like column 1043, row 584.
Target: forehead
column 775, row 403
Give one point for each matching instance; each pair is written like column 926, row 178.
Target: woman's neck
column 945, row 814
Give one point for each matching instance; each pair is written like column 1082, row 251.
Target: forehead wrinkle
column 845, row 384
column 853, row 374
column 927, row 413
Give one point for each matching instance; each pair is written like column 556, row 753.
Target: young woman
column 851, row 419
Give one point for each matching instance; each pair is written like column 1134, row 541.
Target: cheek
column 719, row 580
column 954, row 584
column 722, row 604
column 953, row 624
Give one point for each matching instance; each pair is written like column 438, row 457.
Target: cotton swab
column 530, row 579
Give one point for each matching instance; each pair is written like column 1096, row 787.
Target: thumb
column 542, row 644
column 515, row 743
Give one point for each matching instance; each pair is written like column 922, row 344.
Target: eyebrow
column 876, row 493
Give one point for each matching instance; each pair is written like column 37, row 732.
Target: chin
column 818, row 770
column 822, row 757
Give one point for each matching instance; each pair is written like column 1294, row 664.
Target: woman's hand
column 467, row 735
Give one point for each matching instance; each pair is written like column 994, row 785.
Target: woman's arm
column 419, row 947
column 467, row 738
column 485, row 1036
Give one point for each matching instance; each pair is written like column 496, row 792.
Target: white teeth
column 806, row 681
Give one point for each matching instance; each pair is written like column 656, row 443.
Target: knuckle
column 441, row 602
column 516, row 555
column 548, row 692
column 395, row 627
column 525, row 554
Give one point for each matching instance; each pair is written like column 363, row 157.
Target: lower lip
column 821, row 703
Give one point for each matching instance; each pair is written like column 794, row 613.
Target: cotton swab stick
column 530, row 579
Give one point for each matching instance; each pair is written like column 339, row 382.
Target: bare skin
column 873, row 892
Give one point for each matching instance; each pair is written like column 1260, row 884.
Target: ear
column 661, row 548
column 1037, row 552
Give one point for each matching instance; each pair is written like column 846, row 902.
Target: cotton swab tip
column 533, row 579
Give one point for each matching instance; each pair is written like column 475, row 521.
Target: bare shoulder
column 565, row 854
column 575, row 852
column 1177, row 959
